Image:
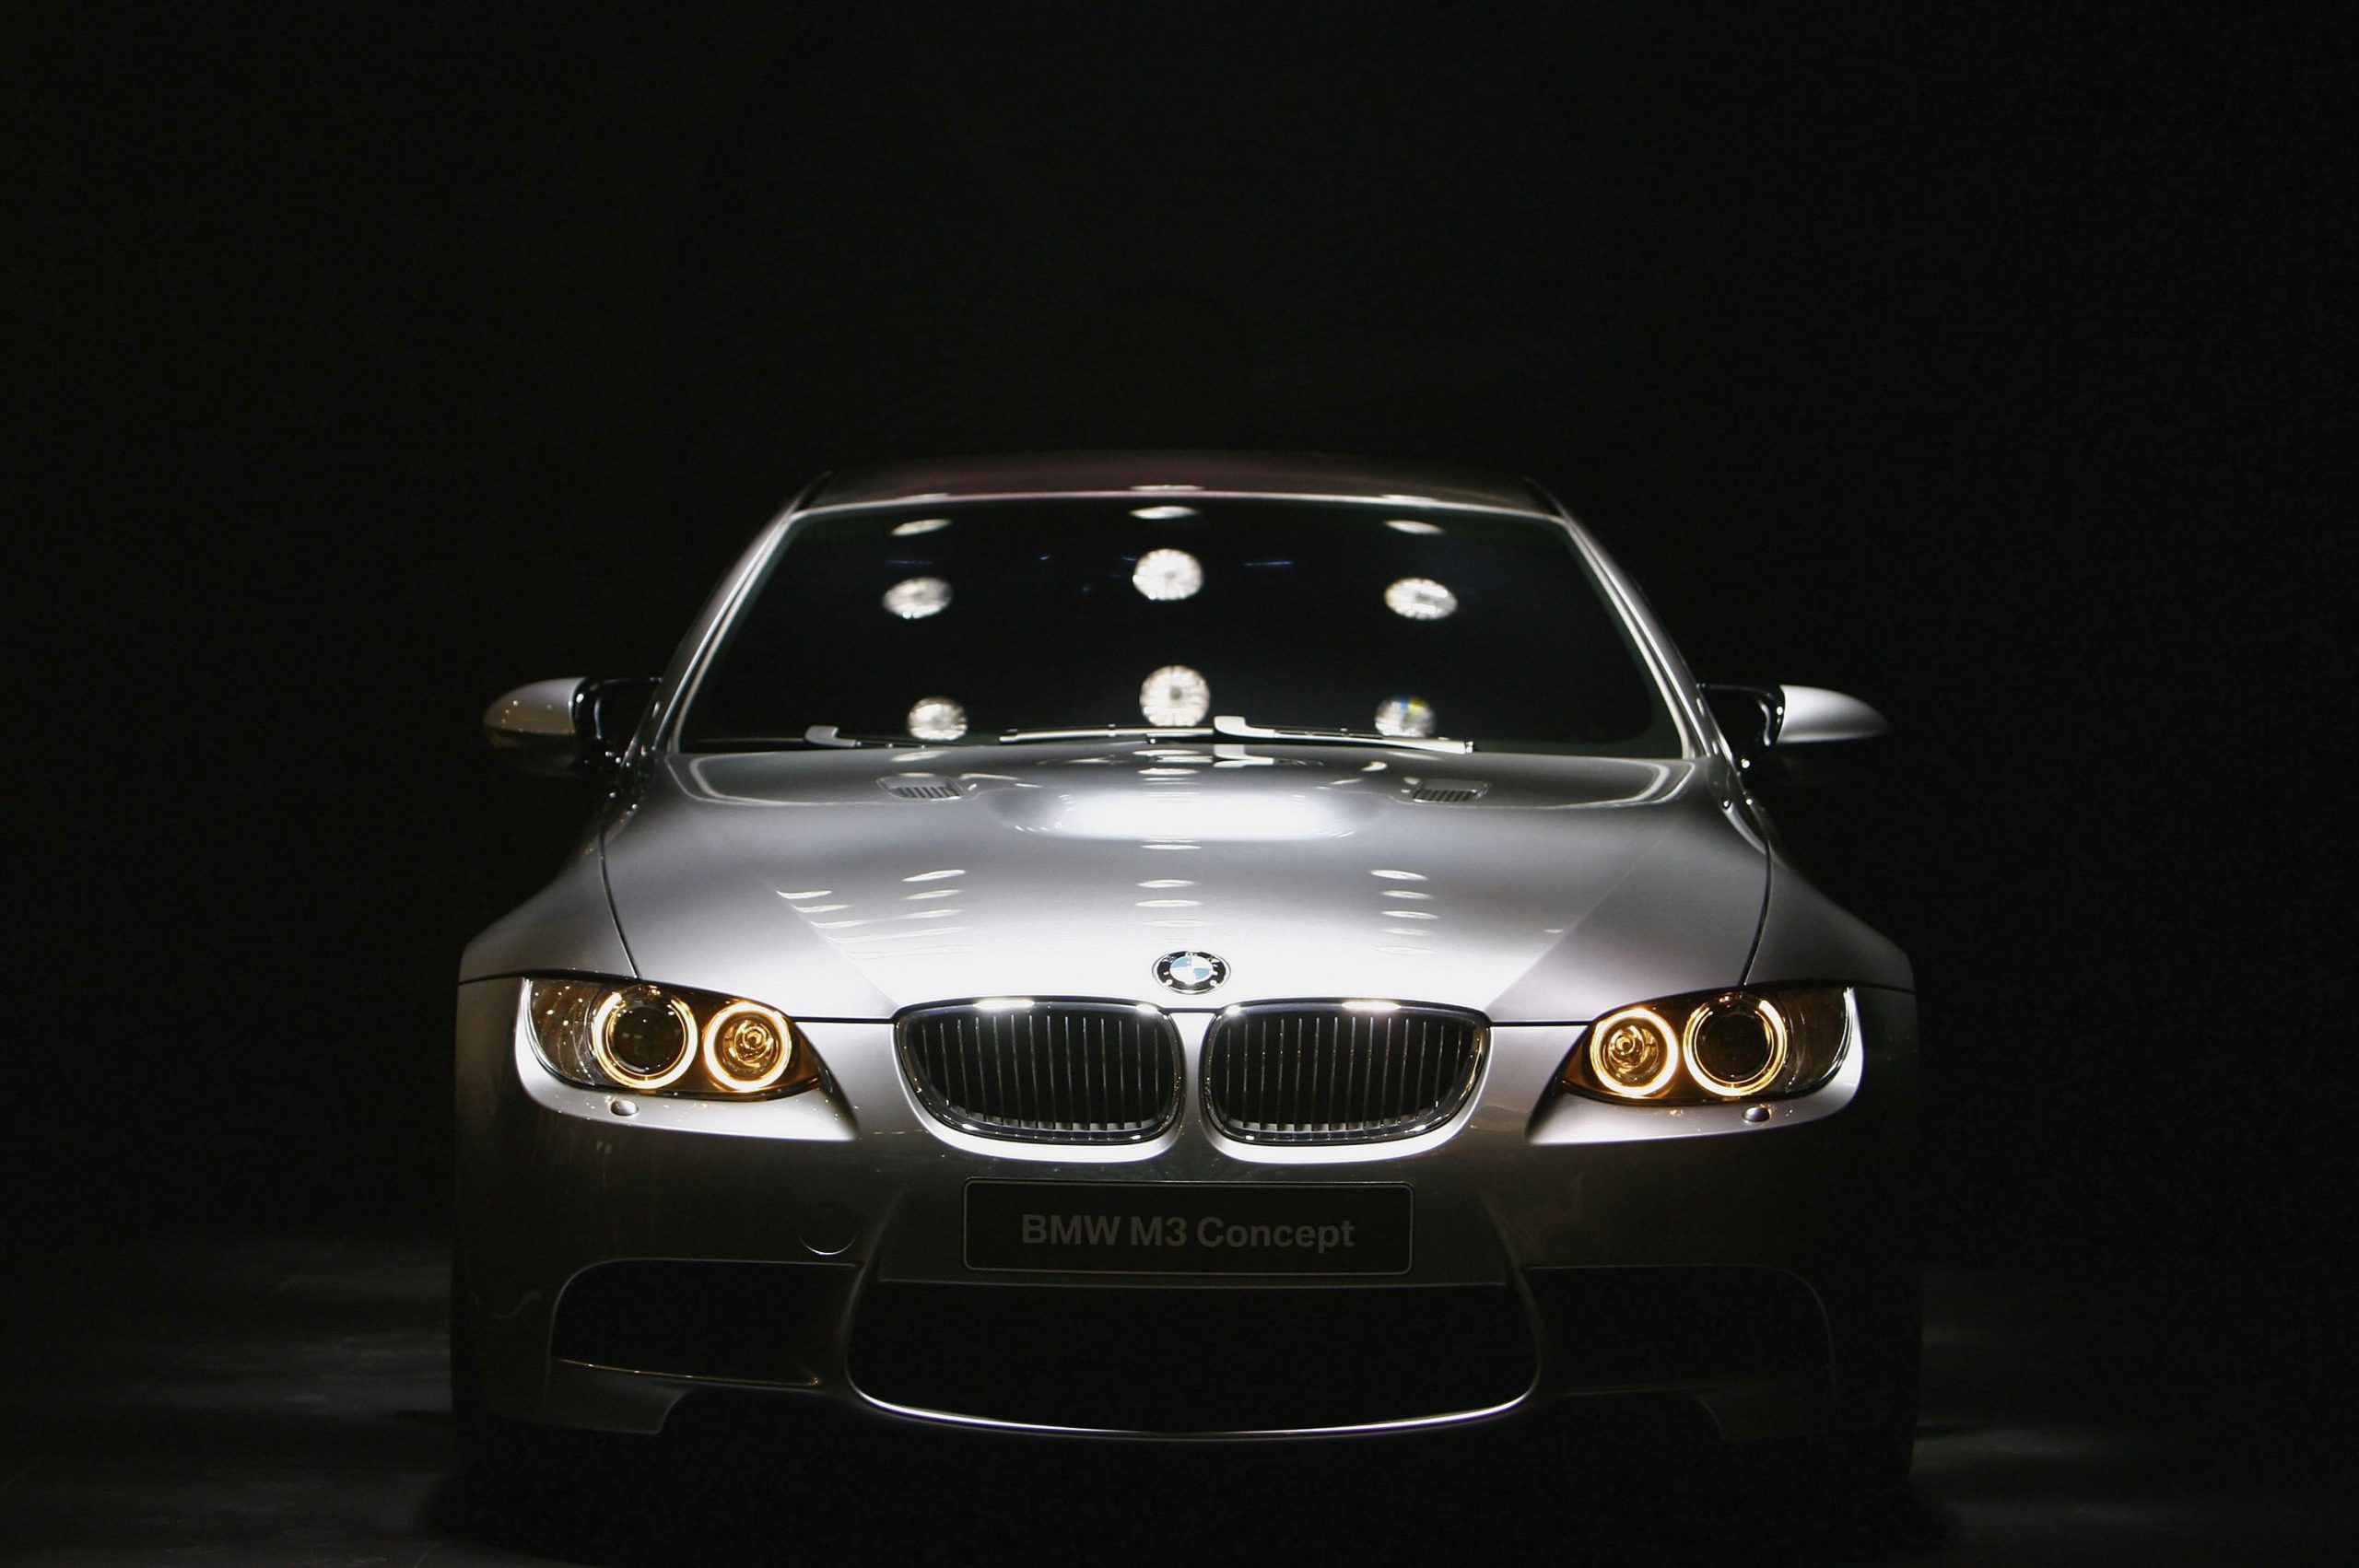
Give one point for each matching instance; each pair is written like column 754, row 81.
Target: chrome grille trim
column 1044, row 1072
column 1328, row 1072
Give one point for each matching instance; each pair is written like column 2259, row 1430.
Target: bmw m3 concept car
column 1189, row 945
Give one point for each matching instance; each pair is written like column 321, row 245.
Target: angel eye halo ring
column 1757, row 1042
column 1633, row 1052
column 1705, row 1045
column 747, row 1046
column 667, row 1040
column 628, row 1032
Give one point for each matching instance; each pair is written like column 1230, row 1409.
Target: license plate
column 1184, row 1228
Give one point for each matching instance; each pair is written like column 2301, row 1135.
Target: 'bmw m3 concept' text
column 1183, row 945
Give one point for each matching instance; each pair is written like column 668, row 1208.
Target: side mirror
column 566, row 727
column 1755, row 719
column 1814, row 715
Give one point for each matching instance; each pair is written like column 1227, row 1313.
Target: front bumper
column 1563, row 1238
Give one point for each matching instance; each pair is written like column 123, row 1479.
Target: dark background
column 1975, row 362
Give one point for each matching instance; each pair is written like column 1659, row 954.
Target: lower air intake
column 1119, row 1359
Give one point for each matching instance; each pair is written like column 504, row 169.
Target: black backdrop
column 1975, row 363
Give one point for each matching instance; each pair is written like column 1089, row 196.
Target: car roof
column 1119, row 473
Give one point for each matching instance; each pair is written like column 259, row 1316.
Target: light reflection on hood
column 1066, row 869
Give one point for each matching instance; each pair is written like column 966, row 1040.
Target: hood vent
column 918, row 789
column 1450, row 791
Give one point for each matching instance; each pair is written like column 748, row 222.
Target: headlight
column 663, row 1040
column 1760, row 1043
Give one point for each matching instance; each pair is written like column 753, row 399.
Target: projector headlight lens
column 1759, row 1043
column 643, row 1038
column 1735, row 1044
column 654, row 1039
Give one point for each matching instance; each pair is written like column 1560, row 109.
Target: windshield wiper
column 1097, row 733
column 1235, row 726
column 827, row 735
column 818, row 735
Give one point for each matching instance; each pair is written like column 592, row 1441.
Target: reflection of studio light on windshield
column 1420, row 598
column 1168, row 573
column 937, row 718
column 1174, row 695
column 1405, row 524
column 1405, row 716
column 914, row 598
column 928, row 524
column 1163, row 514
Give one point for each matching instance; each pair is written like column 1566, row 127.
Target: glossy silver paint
column 1553, row 890
column 1814, row 716
column 534, row 727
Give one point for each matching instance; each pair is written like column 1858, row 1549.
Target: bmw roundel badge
column 1191, row 974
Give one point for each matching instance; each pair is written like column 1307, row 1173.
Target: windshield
column 960, row 622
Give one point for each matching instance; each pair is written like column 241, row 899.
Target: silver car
column 1185, row 945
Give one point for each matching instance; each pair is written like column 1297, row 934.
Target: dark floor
column 281, row 1402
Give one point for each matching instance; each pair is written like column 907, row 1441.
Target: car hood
column 854, row 884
